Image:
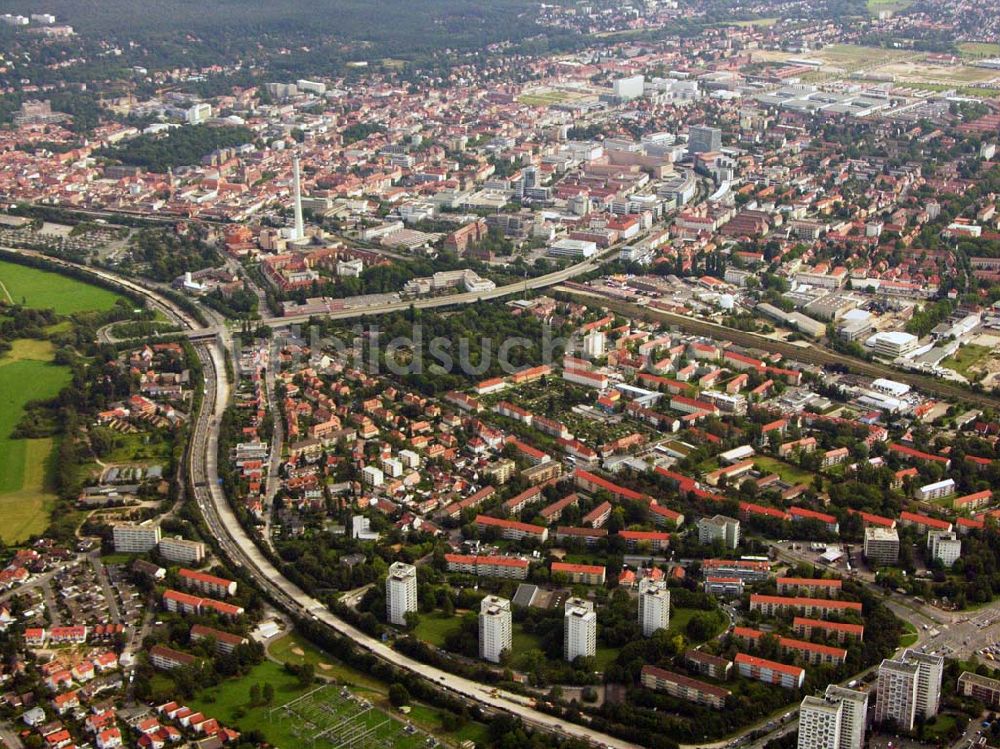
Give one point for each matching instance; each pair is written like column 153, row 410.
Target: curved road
column 244, row 553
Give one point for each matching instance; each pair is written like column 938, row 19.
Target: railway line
column 813, row 353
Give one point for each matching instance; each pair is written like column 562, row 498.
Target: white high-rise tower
column 300, row 229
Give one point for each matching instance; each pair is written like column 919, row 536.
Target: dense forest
column 178, row 147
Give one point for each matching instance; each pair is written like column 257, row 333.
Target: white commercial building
column 573, row 248
column 495, row 628
column 893, row 343
column 719, row 528
column 580, row 629
column 654, row 606
column 400, row 592
column 629, row 88
column 135, row 538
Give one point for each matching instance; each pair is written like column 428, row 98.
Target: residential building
column 400, row 592
column 580, row 629
column 719, row 528
column 709, row 665
column 819, row 723
column 909, row 687
column 945, row 546
column 654, row 606
column 582, row 574
column 981, row 688
column 181, row 550
column 684, row 687
column 881, row 546
column 896, row 694
column 510, row 568
column 135, row 538
column 770, row 672
column 495, row 628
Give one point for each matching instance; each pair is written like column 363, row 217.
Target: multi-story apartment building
column 654, row 606
column 820, row 723
column 510, row 568
column 580, row 629
column 181, row 550
column 135, row 538
column 495, row 628
column 400, row 592
column 684, row 687
column 896, row 693
column 814, row 587
column 770, row 672
column 981, row 688
column 719, row 528
column 773, row 605
column 881, row 546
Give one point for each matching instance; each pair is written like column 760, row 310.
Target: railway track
column 814, row 354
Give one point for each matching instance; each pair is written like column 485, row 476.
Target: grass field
column 26, row 374
column 760, row 22
column 42, row 289
column 968, row 358
column 976, row 50
column 435, row 627
column 909, row 635
column 788, row 472
column 878, row 6
column 293, row 648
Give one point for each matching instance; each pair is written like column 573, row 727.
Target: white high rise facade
column 400, row 592
column 580, row 629
column 834, row 721
column 896, row 690
column 299, row 232
column 495, row 628
column 929, row 675
column 819, row 723
column 654, row 606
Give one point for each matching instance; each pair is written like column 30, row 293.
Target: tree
column 398, row 695
column 254, row 695
column 268, row 693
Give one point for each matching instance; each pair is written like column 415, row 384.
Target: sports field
column 26, row 374
column 43, row 289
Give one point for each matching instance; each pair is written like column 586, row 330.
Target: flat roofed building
column 881, row 546
column 654, row 606
column 401, row 592
column 981, row 688
column 896, row 693
column 495, row 628
column 135, row 538
column 819, row 723
column 580, row 629
column 719, row 528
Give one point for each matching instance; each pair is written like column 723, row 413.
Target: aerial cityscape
column 586, row 374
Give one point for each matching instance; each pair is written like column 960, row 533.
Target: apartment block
column 654, row 606
column 135, row 538
column 400, row 592
column 495, row 628
column 684, row 687
column 580, row 629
